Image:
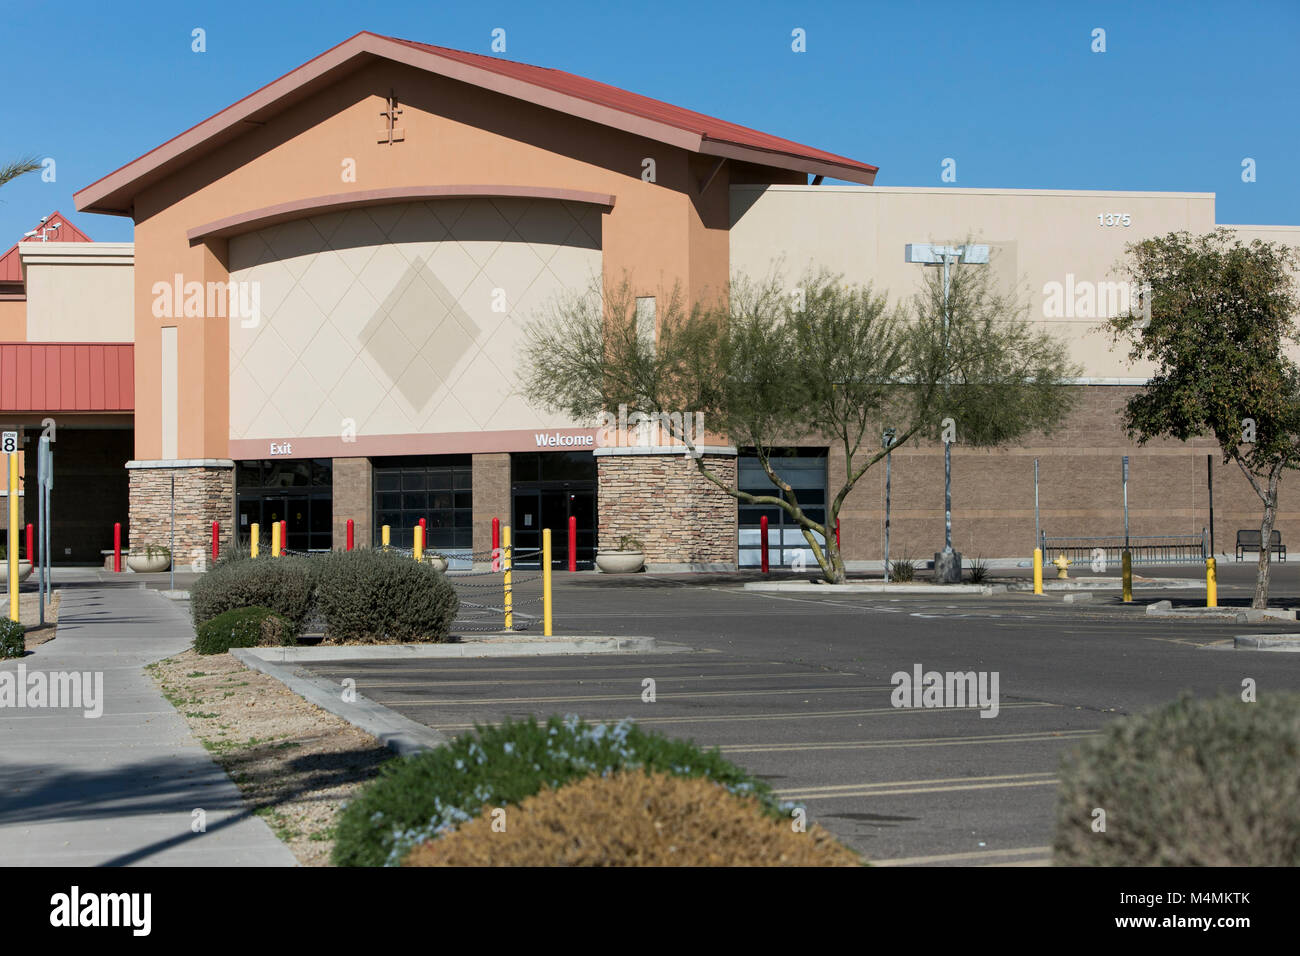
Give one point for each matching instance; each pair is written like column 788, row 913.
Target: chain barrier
column 476, row 588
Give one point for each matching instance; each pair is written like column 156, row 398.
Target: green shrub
column 417, row 798
column 286, row 585
column 903, row 569
column 13, row 642
column 372, row 595
column 243, row 627
column 1195, row 783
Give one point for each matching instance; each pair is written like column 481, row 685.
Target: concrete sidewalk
column 120, row 789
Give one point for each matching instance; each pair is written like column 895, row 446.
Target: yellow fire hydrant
column 1062, row 562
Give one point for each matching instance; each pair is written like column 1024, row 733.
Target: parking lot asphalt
column 797, row 689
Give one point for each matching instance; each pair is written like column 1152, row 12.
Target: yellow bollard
column 546, row 582
column 505, row 566
column 384, row 539
column 1128, row 578
column 12, row 551
column 1038, row 570
column 275, row 539
column 255, row 534
column 419, row 543
column 1211, row 583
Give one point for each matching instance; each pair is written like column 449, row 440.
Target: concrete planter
column 620, row 562
column 438, row 562
column 24, row 570
column 148, row 564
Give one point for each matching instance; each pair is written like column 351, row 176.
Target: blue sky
column 1011, row 90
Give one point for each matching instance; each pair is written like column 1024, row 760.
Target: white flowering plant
column 421, row 797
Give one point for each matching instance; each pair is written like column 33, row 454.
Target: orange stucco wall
column 13, row 320
column 660, row 233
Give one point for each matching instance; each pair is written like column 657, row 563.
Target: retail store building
column 390, row 214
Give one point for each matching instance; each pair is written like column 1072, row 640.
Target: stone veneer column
column 353, row 480
column 657, row 495
column 491, row 478
column 205, row 492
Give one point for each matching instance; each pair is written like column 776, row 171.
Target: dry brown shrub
column 634, row 819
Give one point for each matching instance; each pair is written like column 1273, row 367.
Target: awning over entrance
column 67, row 377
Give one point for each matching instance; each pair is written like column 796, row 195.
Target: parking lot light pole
column 887, row 439
column 947, row 563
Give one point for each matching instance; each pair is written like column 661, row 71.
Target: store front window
column 547, row 489
column 805, row 470
column 437, row 488
column 296, row 490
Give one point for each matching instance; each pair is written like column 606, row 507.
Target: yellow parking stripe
column 816, row 714
column 1031, row 737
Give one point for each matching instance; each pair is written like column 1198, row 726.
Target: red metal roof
column 11, row 267
column 67, row 377
column 114, row 193
column 602, row 94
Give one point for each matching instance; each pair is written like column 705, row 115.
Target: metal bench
column 1250, row 541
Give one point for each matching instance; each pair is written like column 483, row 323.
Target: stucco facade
column 329, row 281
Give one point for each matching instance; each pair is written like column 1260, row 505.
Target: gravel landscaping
column 294, row 763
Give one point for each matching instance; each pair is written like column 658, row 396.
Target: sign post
column 9, row 445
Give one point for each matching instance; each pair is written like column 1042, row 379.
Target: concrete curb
column 541, row 647
column 1274, row 642
column 400, row 734
column 834, row 590
column 1113, row 584
column 1237, row 615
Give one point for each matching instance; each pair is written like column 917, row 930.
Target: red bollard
column 496, row 535
column 117, row 547
column 349, row 534
column 216, row 536
column 284, row 537
column 573, row 543
column 837, row 534
column 762, row 539
column 31, row 555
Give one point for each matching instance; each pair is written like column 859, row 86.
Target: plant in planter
column 627, row 558
column 436, row 559
column 24, row 566
column 149, row 559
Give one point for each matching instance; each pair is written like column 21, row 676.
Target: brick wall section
column 491, row 476
column 678, row 515
column 353, row 484
column 1079, row 490
column 203, row 495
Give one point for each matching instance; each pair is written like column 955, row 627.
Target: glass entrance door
column 538, row 508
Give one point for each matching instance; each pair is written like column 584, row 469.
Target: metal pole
column 889, row 455
column 1126, row 502
column 11, row 533
column 172, row 563
column 1209, row 477
column 39, row 557
column 49, row 520
column 1037, row 533
column 948, row 258
column 947, row 496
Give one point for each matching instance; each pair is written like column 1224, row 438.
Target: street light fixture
column 947, row 563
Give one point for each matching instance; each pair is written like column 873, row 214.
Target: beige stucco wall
column 1037, row 237
column 402, row 318
column 79, row 291
column 454, row 134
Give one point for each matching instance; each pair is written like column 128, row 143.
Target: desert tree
column 1218, row 327
column 772, row 364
